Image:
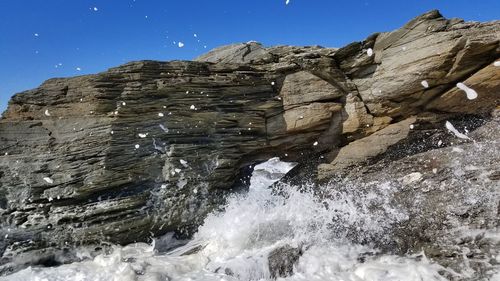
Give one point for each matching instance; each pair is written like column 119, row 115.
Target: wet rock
column 282, row 260
column 139, row 150
column 152, row 147
column 448, row 198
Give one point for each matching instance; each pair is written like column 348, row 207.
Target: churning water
column 235, row 244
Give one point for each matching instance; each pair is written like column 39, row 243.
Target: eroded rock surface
column 448, row 195
column 151, row 147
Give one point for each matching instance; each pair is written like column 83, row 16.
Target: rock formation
column 151, row 147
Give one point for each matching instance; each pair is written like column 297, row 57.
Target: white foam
column 141, row 135
column 161, row 114
column 184, row 163
column 412, row 178
column 165, row 129
column 137, row 146
column 241, row 237
column 452, row 129
column 267, row 173
column 48, row 180
column 287, row 2
column 180, row 44
column 471, row 94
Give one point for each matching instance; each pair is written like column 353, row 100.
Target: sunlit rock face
column 151, row 147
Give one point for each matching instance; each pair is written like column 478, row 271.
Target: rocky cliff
column 151, row 147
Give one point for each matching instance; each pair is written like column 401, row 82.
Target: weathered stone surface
column 139, row 150
column 310, row 116
column 356, row 115
column 431, row 48
column 485, row 82
column 151, row 147
column 282, row 260
column 363, row 149
column 447, row 195
column 303, row 87
column 250, row 52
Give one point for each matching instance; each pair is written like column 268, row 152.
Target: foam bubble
column 471, row 94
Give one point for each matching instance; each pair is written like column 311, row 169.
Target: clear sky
column 40, row 39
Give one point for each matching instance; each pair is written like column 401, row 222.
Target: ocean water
column 235, row 244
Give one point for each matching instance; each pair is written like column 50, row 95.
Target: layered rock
column 141, row 149
column 150, row 147
column 363, row 149
column 429, row 48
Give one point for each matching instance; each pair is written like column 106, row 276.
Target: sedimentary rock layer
column 150, row 147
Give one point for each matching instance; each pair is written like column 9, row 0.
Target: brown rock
column 485, row 82
column 363, row 149
column 250, row 52
column 428, row 48
column 303, row 87
column 310, row 116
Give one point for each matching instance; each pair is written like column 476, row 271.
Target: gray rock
column 448, row 196
column 137, row 151
column 282, row 260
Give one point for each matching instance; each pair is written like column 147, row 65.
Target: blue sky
column 40, row 39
